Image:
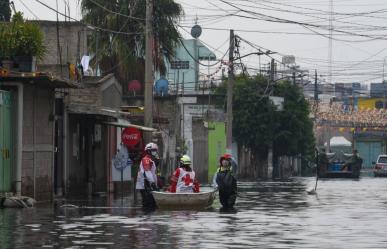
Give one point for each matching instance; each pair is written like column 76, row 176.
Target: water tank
column 134, row 87
column 161, row 87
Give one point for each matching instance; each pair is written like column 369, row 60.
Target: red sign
column 130, row 136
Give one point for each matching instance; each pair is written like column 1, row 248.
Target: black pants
column 227, row 197
column 148, row 202
column 227, row 185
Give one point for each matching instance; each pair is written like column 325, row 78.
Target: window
column 382, row 159
column 180, row 65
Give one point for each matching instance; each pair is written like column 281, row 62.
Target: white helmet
column 151, row 146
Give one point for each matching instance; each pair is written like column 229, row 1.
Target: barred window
column 180, row 65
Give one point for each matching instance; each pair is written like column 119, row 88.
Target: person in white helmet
column 146, row 176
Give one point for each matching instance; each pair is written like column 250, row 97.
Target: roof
column 94, row 110
column 97, row 80
column 42, row 79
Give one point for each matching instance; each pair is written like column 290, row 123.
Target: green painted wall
column 5, row 141
column 216, row 146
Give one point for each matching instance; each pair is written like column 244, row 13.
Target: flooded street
column 344, row 214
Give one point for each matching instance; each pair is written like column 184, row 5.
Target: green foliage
column 294, row 134
column 257, row 124
column 124, row 53
column 20, row 38
column 7, row 41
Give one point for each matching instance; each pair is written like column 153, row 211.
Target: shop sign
column 131, row 136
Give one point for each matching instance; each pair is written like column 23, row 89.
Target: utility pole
column 294, row 77
column 148, row 95
column 270, row 168
column 315, row 87
column 230, row 89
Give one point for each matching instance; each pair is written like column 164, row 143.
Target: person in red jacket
column 183, row 179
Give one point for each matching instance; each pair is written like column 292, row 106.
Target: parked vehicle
column 380, row 168
column 340, row 165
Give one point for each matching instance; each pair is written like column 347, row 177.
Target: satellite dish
column 196, row 31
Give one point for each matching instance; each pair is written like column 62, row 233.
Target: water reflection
column 274, row 214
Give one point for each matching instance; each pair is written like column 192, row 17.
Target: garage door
column 369, row 151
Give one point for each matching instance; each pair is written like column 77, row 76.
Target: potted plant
column 7, row 45
column 29, row 45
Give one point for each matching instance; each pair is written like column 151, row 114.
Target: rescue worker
column 226, row 182
column 323, row 163
column 146, row 176
column 354, row 163
column 183, row 179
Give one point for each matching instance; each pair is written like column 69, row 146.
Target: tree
column 123, row 52
column 257, row 124
column 5, row 11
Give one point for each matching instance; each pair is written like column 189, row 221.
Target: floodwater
column 273, row 214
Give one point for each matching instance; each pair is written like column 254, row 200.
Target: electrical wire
column 83, row 22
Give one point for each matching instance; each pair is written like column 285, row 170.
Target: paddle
column 314, row 191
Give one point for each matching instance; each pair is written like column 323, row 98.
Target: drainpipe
column 65, row 150
column 19, row 134
column 54, row 148
column 19, row 145
column 34, row 138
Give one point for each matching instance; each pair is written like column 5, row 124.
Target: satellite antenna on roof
column 196, row 31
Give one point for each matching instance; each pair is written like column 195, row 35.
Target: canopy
column 339, row 141
column 125, row 123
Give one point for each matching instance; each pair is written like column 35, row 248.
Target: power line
column 83, row 22
column 116, row 13
column 29, row 10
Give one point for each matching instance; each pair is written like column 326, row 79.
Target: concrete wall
column 73, row 44
column 112, row 97
column 97, row 92
column 38, row 143
column 85, row 96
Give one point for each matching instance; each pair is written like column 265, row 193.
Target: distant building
column 183, row 70
column 378, row 90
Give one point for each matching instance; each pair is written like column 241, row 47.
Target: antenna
column 330, row 46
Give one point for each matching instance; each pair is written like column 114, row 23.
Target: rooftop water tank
column 161, row 87
column 134, row 87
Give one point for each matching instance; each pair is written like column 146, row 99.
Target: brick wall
column 85, row 96
column 72, row 41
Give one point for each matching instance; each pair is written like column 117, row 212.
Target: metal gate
column 200, row 150
column 5, row 141
column 369, row 151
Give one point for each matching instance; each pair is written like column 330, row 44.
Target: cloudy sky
column 288, row 27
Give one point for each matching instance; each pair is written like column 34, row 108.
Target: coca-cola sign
column 131, row 136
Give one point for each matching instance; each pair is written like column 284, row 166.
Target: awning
column 94, row 110
column 124, row 123
column 41, row 79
